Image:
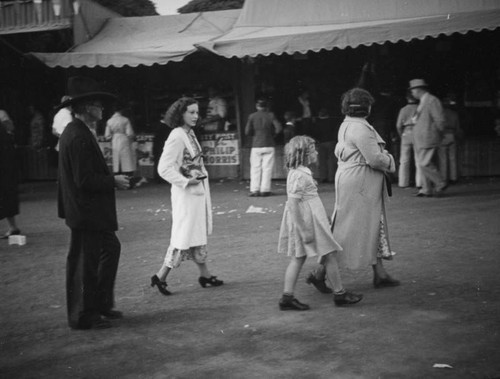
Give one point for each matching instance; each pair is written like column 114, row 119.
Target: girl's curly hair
column 174, row 115
column 357, row 102
column 298, row 151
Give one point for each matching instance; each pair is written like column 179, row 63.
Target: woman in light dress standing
column 119, row 129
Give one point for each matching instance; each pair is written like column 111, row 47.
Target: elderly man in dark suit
column 86, row 200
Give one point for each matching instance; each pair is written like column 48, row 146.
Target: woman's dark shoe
column 14, row 232
column 162, row 286
column 290, row 303
column 318, row 283
column 213, row 281
column 346, row 298
column 112, row 314
column 379, row 282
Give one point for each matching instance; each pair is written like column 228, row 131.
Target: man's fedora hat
column 418, row 83
column 83, row 88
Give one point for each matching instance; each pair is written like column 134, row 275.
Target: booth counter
column 221, row 152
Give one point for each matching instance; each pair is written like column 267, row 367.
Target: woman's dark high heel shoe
column 213, row 281
column 14, row 232
column 162, row 286
column 379, row 282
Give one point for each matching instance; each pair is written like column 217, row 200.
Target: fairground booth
column 276, row 49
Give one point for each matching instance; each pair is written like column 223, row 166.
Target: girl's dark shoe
column 318, row 283
column 213, row 281
column 14, row 232
column 162, row 286
column 347, row 298
column 379, row 282
column 290, row 303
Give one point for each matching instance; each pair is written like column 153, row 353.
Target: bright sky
column 169, row 6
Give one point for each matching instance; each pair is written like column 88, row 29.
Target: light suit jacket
column 429, row 126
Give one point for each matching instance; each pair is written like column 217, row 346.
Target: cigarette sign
column 220, row 149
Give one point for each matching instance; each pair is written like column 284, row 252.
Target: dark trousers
column 90, row 275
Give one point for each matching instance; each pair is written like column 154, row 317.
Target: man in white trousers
column 262, row 126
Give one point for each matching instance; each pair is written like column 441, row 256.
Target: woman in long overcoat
column 9, row 200
column 359, row 221
column 181, row 164
column 119, row 129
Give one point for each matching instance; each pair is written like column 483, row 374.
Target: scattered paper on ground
column 441, row 365
column 252, row 209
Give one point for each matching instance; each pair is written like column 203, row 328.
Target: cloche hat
column 417, row 83
column 83, row 88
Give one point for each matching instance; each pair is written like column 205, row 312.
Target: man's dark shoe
column 266, row 194
column 112, row 314
column 421, row 194
column 346, row 298
column 290, row 303
column 254, row 194
column 96, row 323
column 318, row 283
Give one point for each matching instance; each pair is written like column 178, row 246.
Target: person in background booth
column 9, row 199
column 216, row 120
column 61, row 119
column 38, row 135
column 325, row 132
column 404, row 126
column 119, row 130
column 161, row 132
column 452, row 133
column 262, row 126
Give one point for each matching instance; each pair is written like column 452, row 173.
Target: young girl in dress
column 305, row 229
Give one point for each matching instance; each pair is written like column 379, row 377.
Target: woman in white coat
column 119, row 129
column 181, row 164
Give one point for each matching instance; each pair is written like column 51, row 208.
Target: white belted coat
column 191, row 205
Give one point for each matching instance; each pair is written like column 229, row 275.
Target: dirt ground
column 447, row 310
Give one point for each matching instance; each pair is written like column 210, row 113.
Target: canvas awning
column 133, row 41
column 269, row 27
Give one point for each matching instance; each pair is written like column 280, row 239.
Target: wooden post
column 244, row 88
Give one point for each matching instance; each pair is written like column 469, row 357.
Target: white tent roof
column 267, row 27
column 133, row 41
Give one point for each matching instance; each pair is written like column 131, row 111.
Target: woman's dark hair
column 173, row 117
column 357, row 102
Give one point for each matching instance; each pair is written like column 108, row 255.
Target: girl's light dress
column 301, row 185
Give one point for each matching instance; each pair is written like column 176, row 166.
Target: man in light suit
column 427, row 134
column 86, row 200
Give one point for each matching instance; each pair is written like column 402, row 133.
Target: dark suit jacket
column 86, row 197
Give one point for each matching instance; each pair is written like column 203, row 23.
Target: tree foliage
column 130, row 8
column 210, row 5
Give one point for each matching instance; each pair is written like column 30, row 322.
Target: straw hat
column 418, row 83
column 82, row 88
